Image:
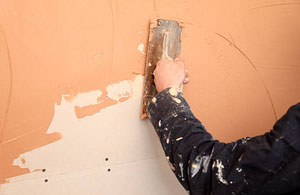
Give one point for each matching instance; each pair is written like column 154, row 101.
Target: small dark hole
column 106, row 159
column 44, row 170
column 108, row 170
column 46, row 180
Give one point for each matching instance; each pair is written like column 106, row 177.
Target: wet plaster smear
column 71, row 76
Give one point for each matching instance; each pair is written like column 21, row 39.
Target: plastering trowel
column 164, row 42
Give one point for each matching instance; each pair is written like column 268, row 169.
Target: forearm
column 188, row 146
column 204, row 165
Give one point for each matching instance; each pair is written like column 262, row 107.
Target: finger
column 186, row 71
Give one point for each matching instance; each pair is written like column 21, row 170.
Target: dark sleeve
column 206, row 166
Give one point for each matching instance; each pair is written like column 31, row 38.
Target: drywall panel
column 146, row 177
column 71, row 77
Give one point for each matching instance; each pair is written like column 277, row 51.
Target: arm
column 264, row 164
column 203, row 165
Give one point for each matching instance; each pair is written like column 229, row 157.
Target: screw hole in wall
column 108, row 170
column 106, row 159
column 44, row 170
column 46, row 180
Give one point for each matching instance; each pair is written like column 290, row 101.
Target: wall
column 71, row 85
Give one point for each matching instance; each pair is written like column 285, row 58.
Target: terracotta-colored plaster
column 82, row 112
column 12, row 149
column 123, row 99
column 243, row 58
column 92, row 109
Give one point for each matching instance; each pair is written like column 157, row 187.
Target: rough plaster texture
column 71, row 85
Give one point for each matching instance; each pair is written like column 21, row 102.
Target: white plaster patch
column 137, row 87
column 141, row 48
column 119, row 90
column 18, row 162
column 86, row 99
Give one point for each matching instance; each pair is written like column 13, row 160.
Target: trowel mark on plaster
column 252, row 64
column 155, row 8
column 279, row 68
column 113, row 21
column 10, row 83
column 274, row 5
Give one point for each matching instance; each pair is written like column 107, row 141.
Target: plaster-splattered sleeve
column 207, row 166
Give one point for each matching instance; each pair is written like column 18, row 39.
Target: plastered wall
column 71, row 77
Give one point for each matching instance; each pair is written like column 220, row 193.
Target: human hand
column 170, row 73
